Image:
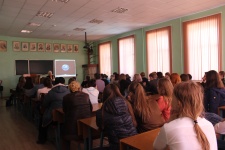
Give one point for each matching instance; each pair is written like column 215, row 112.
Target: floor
column 18, row 133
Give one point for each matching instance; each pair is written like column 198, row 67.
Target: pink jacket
column 163, row 106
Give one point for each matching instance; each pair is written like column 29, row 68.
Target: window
column 202, row 45
column 126, row 55
column 159, row 50
column 105, row 58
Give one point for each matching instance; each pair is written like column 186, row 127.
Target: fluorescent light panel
column 79, row 29
column 26, row 31
column 44, row 14
column 34, row 24
column 63, row 1
column 96, row 21
column 119, row 10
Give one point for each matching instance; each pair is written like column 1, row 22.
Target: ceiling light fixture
column 26, row 31
column 119, row 10
column 96, row 21
column 34, row 24
column 44, row 14
column 63, row 1
column 79, row 29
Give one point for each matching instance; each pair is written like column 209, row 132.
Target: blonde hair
column 140, row 105
column 165, row 89
column 74, row 86
column 137, row 78
column 188, row 102
column 175, row 78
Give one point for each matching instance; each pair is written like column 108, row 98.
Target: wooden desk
column 143, row 141
column 85, row 128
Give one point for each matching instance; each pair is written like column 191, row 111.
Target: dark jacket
column 152, row 87
column 214, row 98
column 116, row 121
column 75, row 106
column 53, row 99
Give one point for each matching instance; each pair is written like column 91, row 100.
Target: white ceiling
column 16, row 14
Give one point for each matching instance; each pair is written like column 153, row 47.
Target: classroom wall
column 177, row 41
column 7, row 59
column 7, row 65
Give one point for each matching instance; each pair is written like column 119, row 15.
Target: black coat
column 76, row 106
column 116, row 121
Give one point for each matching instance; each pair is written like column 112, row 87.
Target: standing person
column 51, row 76
column 146, row 111
column 52, row 100
column 76, row 105
column 165, row 90
column 214, row 92
column 92, row 91
column 187, row 130
column 114, row 117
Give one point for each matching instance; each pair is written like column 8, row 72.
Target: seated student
column 165, row 90
column 52, row 100
column 123, row 84
column 184, row 77
column 84, row 84
column 92, row 91
column 114, row 117
column 220, row 129
column 175, row 78
column 47, row 87
column 146, row 111
column 186, row 129
column 37, row 85
column 76, row 105
column 214, row 92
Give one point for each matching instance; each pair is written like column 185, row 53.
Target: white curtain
column 202, row 45
column 105, row 58
column 158, row 50
column 126, row 55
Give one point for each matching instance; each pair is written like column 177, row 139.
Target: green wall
column 177, row 41
column 7, row 59
column 7, row 66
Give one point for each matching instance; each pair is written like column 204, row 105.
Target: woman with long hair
column 214, row 92
column 165, row 90
column 114, row 117
column 146, row 111
column 187, row 129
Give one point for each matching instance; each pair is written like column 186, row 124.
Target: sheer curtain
column 159, row 50
column 126, row 55
column 202, row 45
column 105, row 58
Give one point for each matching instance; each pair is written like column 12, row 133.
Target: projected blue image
column 65, row 67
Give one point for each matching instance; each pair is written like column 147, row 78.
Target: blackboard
column 33, row 66
column 21, row 67
column 40, row 66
